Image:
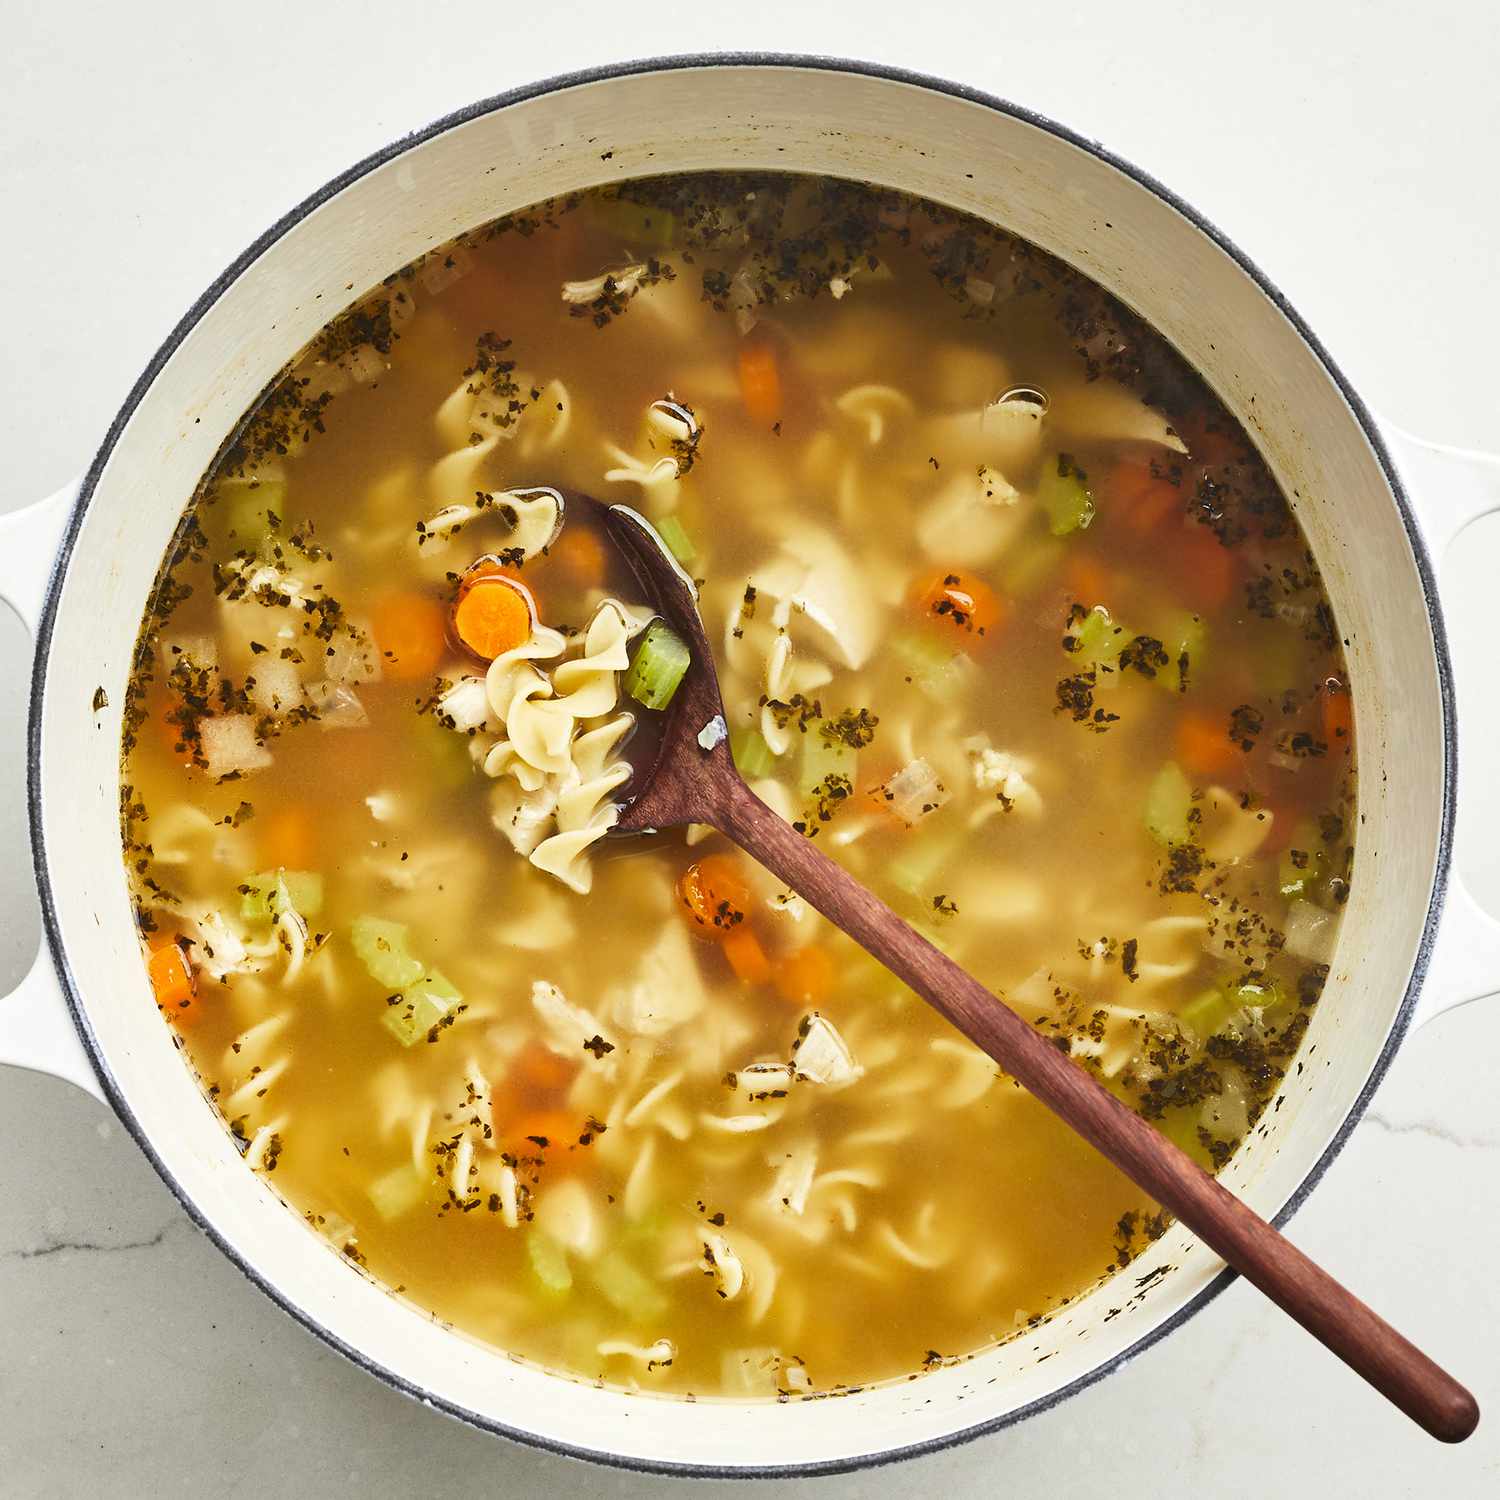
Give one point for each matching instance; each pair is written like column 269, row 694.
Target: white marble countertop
column 144, row 145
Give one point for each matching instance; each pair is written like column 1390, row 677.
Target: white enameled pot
column 1413, row 943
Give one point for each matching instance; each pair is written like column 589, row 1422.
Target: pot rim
column 605, row 73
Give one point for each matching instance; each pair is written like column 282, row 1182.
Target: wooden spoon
column 694, row 781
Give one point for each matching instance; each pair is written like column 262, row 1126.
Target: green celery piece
column 449, row 764
column 1065, row 497
column 627, row 1289
column 753, row 757
column 822, row 758
column 249, row 509
column 419, row 1007
column 1169, row 800
column 549, row 1262
column 937, row 671
column 1097, row 638
column 1185, row 636
column 1206, row 1013
column 267, row 895
column 660, row 662
column 381, row 947
column 397, row 1192
column 671, row 530
column 920, row 859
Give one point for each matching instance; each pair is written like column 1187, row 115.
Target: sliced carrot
column 493, row 616
column 961, row 600
column 806, row 976
column 760, row 383
column 715, row 896
column 746, row 956
column 1086, row 580
column 172, row 980
column 1206, row 565
column 1338, row 714
column 538, row 1070
column 410, row 632
column 1203, row 744
column 286, row 839
column 581, row 552
column 1143, row 498
column 549, row 1130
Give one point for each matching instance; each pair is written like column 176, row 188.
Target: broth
column 1008, row 614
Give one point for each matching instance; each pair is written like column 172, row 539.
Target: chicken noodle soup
column 1009, row 617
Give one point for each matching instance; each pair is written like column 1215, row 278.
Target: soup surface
column 1009, row 616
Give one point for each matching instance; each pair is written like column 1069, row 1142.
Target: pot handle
column 1449, row 489
column 36, row 1030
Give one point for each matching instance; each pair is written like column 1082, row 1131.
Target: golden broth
column 1052, row 673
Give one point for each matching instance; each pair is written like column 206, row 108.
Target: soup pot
column 1376, row 506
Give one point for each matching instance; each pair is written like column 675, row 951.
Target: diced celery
column 252, row 508
column 626, row 1288
column 1096, row 637
column 822, row 758
column 549, row 1262
column 658, row 666
column 1267, row 996
column 919, row 861
column 397, row 1192
column 420, row 1006
column 752, row 755
column 1169, row 800
column 671, row 530
column 264, row 897
column 449, row 764
column 1206, row 1013
column 1211, row 1012
column 1303, row 863
column 639, row 225
column 1183, row 641
column 1064, row 497
column 936, row 670
column 381, row 947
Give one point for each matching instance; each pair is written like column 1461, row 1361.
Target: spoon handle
column 1328, row 1310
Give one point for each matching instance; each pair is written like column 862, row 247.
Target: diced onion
column 1310, row 931
column 914, row 791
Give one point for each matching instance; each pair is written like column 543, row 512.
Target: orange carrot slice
column 746, row 956
column 960, row 600
column 760, row 383
column 715, row 896
column 172, row 980
column 806, row 976
column 1203, row 744
column 581, row 552
column 493, row 616
column 1338, row 715
column 409, row 629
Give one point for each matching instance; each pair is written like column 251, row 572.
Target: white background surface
column 1350, row 151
